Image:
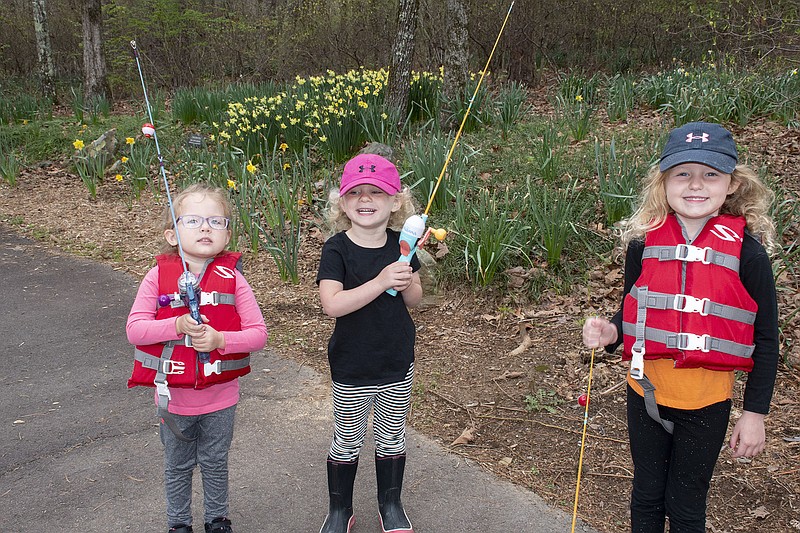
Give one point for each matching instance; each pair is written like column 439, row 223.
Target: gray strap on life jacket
column 690, row 342
column 651, row 405
column 206, row 298
column 688, row 252
column 690, row 304
column 162, row 368
column 637, row 360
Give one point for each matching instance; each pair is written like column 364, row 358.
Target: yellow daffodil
column 78, row 144
column 130, row 140
column 232, row 184
column 251, row 168
column 286, row 166
column 323, row 138
column 579, row 98
column 118, row 177
column 124, row 159
column 25, row 122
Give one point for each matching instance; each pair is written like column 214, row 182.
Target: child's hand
column 397, row 276
column 748, row 437
column 204, row 337
column 209, row 340
column 598, row 332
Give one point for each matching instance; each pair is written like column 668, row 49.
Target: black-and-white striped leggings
column 351, row 408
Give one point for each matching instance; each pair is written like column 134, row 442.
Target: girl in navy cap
column 698, row 304
column 371, row 351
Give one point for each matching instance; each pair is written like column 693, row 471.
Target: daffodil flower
column 130, row 140
column 78, row 144
column 232, row 184
column 251, row 168
column 118, row 177
column 124, row 159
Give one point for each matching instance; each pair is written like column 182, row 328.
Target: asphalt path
column 81, row 453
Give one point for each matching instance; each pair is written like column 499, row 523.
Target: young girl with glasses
column 196, row 399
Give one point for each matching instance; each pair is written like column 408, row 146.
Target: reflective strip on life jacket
column 206, row 298
column 690, row 304
column 690, row 341
column 687, row 252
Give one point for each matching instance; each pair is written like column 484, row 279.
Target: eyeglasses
column 196, row 221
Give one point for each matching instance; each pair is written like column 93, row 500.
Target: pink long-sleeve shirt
column 143, row 329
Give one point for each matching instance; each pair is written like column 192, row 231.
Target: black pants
column 672, row 473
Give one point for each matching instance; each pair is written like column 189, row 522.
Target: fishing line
column 466, row 114
column 158, row 153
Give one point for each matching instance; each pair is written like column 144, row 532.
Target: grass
column 521, row 189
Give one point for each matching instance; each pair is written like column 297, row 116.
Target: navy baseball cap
column 700, row 142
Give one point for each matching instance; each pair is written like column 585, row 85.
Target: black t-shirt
column 755, row 271
column 373, row 345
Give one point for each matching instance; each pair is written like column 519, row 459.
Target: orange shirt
column 685, row 388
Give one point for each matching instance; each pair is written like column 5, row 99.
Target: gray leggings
column 351, row 407
column 214, row 432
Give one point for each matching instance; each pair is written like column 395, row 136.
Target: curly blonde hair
column 752, row 200
column 338, row 221
column 213, row 193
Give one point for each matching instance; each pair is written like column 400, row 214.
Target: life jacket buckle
column 212, row 368
column 689, row 304
column 162, row 389
column 169, row 366
column 209, row 298
column 690, row 341
column 637, row 364
column 687, row 252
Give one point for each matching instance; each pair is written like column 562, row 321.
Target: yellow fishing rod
column 466, row 114
column 413, row 234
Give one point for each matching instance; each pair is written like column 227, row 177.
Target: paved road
column 80, row 451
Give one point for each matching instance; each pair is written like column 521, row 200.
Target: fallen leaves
column 467, row 436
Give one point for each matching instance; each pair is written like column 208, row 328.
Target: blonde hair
column 215, row 194
column 338, row 220
column 751, row 200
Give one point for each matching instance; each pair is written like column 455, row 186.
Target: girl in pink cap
column 371, row 350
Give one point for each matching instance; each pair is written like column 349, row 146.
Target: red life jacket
column 175, row 364
column 689, row 303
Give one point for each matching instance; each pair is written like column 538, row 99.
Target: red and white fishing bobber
column 148, row 130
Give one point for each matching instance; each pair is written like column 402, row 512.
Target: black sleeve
column 331, row 262
column 755, row 270
column 633, row 269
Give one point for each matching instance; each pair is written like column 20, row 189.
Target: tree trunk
column 44, row 50
column 456, row 55
column 399, row 82
column 95, row 83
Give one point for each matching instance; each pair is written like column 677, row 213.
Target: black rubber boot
column 180, row 529
column 341, row 477
column 389, row 472
column 219, row 525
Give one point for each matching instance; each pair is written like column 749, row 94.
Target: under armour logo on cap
column 706, row 143
column 362, row 167
column 703, row 138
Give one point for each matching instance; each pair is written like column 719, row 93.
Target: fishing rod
column 188, row 284
column 413, row 235
column 586, row 399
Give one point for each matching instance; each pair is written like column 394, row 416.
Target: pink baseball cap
column 370, row 169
